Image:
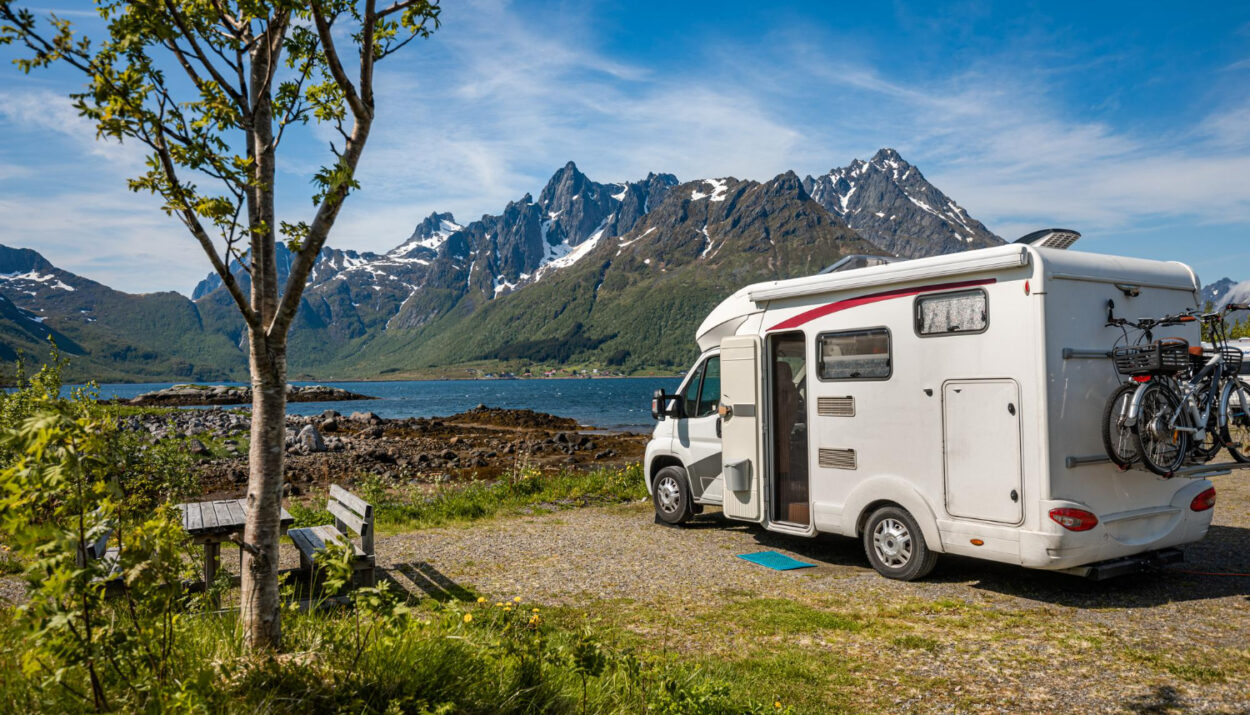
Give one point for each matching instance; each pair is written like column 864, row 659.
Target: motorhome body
column 941, row 405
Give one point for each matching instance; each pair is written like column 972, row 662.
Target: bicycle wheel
column 1117, row 438
column 1212, row 439
column 1235, row 402
column 1163, row 449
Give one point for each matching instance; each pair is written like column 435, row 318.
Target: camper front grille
column 836, row 458
column 835, row 406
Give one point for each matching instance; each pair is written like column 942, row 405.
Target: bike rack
column 1074, row 462
column 1191, row 470
column 1086, row 354
column 1211, row 470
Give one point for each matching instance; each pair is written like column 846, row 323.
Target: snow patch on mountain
column 47, row 279
column 434, row 241
column 719, row 187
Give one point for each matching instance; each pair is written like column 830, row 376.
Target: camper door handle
column 718, row 421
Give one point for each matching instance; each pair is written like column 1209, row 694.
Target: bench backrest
column 350, row 511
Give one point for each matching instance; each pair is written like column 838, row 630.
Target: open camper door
column 740, row 425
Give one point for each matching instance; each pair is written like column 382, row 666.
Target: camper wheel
column 895, row 546
column 671, row 494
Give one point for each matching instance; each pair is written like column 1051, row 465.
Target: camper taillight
column 1203, row 501
column 1074, row 519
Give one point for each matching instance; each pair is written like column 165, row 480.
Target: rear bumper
column 1117, row 536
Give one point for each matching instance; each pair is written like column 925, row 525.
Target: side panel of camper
column 924, row 395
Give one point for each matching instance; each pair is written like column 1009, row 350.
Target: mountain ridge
column 459, row 293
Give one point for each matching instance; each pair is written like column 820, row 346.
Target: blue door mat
column 775, row 561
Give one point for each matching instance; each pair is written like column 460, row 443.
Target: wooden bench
column 350, row 513
column 99, row 550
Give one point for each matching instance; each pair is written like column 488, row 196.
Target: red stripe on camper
column 841, row 305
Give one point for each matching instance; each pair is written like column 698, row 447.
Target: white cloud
column 501, row 97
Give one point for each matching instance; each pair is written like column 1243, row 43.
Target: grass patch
column 778, row 616
column 421, row 658
column 528, row 490
column 915, row 642
column 1185, row 668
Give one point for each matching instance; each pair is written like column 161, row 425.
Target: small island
column 199, row 395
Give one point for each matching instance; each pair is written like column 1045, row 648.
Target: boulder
column 310, row 439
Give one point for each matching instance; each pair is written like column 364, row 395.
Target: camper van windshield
column 855, row 355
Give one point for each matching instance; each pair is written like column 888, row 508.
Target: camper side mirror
column 665, row 405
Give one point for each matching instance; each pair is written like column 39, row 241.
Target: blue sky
column 1127, row 121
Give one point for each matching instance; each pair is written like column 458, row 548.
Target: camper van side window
column 962, row 312
column 690, row 396
column 855, row 355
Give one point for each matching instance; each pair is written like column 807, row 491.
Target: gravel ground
column 974, row 636
column 1003, row 638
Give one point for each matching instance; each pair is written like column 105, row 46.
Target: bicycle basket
column 1232, row 360
column 1170, row 355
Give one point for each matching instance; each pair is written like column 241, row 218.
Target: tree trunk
column 259, row 607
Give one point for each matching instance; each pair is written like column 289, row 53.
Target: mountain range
column 608, row 275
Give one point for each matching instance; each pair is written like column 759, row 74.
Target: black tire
column 1236, row 430
column 670, row 493
column 1163, row 450
column 895, row 546
column 1118, row 439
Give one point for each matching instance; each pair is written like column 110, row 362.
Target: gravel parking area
column 974, row 636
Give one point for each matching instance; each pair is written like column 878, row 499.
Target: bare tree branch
column 192, row 222
column 335, row 65
column 366, row 54
column 327, row 213
column 239, row 99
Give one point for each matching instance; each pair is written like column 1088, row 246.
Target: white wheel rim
column 668, row 494
column 892, row 542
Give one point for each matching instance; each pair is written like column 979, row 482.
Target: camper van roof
column 1058, row 263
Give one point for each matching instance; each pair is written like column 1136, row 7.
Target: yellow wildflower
column 481, row 599
column 516, row 599
column 468, row 617
column 535, row 610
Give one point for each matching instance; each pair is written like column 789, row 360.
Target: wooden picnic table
column 212, row 522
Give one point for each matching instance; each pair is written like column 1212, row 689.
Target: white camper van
column 942, row 405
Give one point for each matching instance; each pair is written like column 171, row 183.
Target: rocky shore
column 202, row 395
column 481, row 443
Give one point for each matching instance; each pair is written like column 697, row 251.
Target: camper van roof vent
column 1059, row 238
column 857, row 260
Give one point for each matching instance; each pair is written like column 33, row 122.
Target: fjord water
column 608, row 403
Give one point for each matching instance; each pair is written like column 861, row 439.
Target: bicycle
column 1171, row 420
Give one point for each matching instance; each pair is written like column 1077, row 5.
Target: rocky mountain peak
column 890, row 203
column 886, row 156
column 1215, row 292
column 22, row 260
column 427, row 237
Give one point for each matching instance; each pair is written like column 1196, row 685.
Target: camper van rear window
column 962, row 312
column 855, row 354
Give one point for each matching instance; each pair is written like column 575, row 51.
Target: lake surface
column 609, row 403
